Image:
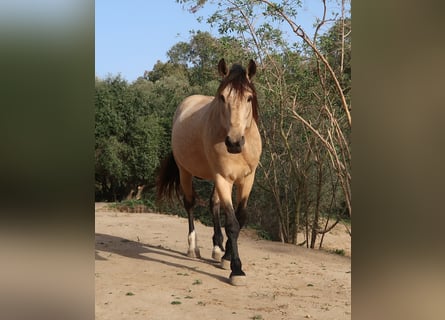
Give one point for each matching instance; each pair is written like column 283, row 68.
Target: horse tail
column 168, row 181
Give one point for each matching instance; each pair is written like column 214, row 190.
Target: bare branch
column 300, row 32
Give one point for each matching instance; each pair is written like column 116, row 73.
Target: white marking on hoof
column 238, row 280
column 225, row 264
column 217, row 253
column 193, row 251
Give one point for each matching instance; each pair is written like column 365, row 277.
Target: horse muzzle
column 234, row 146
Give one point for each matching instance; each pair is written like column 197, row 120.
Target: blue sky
column 132, row 35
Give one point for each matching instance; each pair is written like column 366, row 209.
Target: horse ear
column 222, row 68
column 251, row 69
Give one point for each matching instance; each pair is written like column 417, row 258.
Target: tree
column 128, row 138
column 170, row 68
column 200, row 56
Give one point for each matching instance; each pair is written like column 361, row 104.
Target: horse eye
column 249, row 98
column 222, row 98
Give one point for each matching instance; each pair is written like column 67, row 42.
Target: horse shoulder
column 255, row 143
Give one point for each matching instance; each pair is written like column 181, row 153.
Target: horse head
column 238, row 103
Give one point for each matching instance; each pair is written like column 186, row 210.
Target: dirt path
column 143, row 273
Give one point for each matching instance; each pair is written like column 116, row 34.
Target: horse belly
column 192, row 161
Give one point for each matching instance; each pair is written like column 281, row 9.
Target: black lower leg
column 193, row 250
column 241, row 214
column 232, row 231
column 228, row 253
column 188, row 205
column 218, row 237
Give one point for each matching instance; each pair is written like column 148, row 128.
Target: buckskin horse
column 217, row 139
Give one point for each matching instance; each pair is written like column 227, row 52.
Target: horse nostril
column 234, row 147
column 228, row 142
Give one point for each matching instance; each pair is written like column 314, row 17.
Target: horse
column 216, row 139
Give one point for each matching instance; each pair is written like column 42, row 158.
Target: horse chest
column 240, row 174
column 235, row 168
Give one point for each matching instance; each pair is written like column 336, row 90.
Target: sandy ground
column 142, row 272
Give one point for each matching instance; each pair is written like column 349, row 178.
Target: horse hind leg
column 218, row 238
column 189, row 202
column 193, row 250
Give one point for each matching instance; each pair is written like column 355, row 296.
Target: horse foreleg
column 243, row 192
column 241, row 215
column 189, row 202
column 232, row 227
column 242, row 195
column 218, row 237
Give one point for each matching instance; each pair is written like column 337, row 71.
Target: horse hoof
column 194, row 254
column 238, row 280
column 217, row 254
column 225, row 264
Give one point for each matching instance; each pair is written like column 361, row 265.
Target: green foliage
column 160, row 70
column 340, row 252
column 128, row 138
column 201, row 55
column 263, row 234
column 135, row 205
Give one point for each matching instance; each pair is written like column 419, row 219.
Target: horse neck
column 213, row 111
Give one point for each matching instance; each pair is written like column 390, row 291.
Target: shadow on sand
column 148, row 252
